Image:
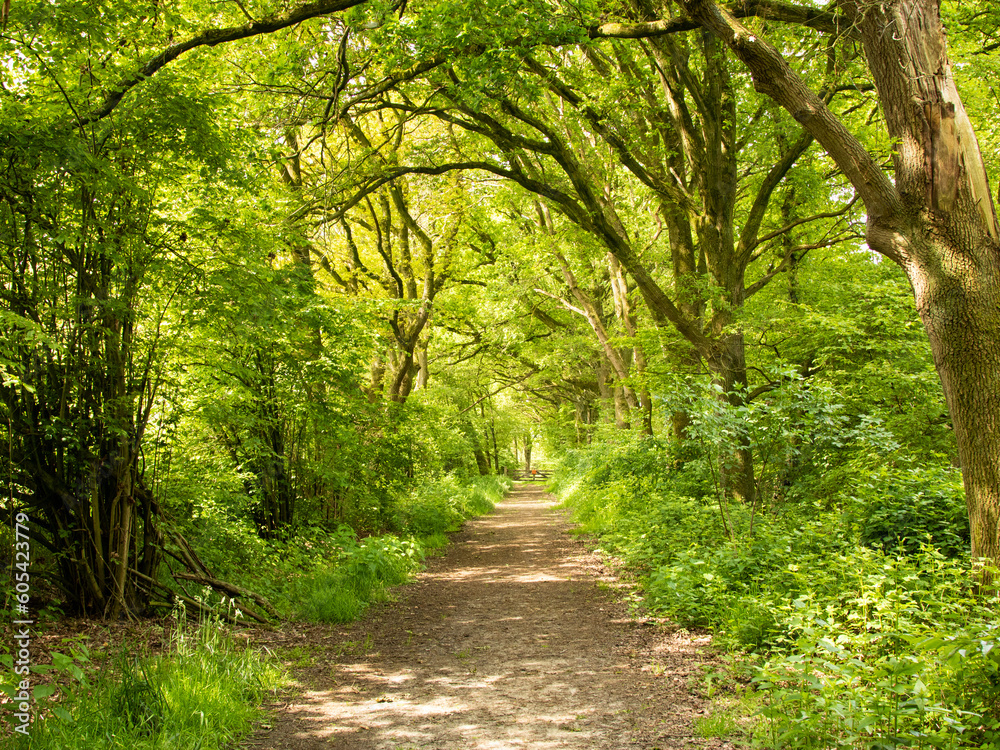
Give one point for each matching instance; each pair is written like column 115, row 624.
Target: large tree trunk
column 959, row 303
column 276, row 510
column 936, row 219
column 946, row 237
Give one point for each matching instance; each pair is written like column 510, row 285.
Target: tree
column 935, row 217
column 99, row 140
column 660, row 175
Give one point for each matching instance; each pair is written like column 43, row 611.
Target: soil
column 519, row 637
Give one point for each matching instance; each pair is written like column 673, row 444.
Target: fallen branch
column 194, row 604
column 231, row 589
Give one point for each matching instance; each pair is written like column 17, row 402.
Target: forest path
column 515, row 638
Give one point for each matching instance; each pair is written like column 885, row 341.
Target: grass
column 341, row 593
column 363, row 572
column 203, row 694
column 733, row 715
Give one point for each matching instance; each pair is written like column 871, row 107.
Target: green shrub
column 858, row 604
column 359, row 573
column 884, row 688
column 910, row 507
column 432, row 508
column 442, row 505
column 327, row 575
column 362, row 575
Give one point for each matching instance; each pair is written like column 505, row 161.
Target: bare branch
column 815, row 217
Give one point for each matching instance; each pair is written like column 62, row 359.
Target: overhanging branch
column 820, row 20
column 212, row 38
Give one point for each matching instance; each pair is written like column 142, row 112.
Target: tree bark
column 423, row 373
column 958, row 299
column 479, row 452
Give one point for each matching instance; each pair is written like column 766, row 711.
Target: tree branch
column 815, row 217
column 748, row 237
column 820, row 20
column 773, row 77
column 212, row 38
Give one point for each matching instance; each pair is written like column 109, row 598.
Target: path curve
column 514, row 639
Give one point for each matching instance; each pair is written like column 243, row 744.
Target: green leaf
column 9, row 690
column 43, row 691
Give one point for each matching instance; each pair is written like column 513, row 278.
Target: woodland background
column 286, row 289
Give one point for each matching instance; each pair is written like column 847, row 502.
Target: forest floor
column 518, row 637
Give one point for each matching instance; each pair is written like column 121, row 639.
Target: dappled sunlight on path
column 514, row 639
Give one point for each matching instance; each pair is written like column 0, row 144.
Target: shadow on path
column 514, row 639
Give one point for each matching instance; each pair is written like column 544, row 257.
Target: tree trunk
column 607, row 396
column 945, row 236
column 736, row 470
column 402, row 378
column 623, row 309
column 496, row 450
column 377, row 379
column 621, row 408
column 624, row 398
column 482, row 460
column 959, row 303
column 423, row 373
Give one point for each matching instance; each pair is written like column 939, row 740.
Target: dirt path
column 514, row 639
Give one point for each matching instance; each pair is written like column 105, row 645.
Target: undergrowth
column 203, row 693
column 333, row 575
column 854, row 611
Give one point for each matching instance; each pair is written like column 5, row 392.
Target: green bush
column 910, row 507
column 858, row 606
column 360, row 573
column 326, row 574
column 442, row 505
column 432, row 508
column 907, row 659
